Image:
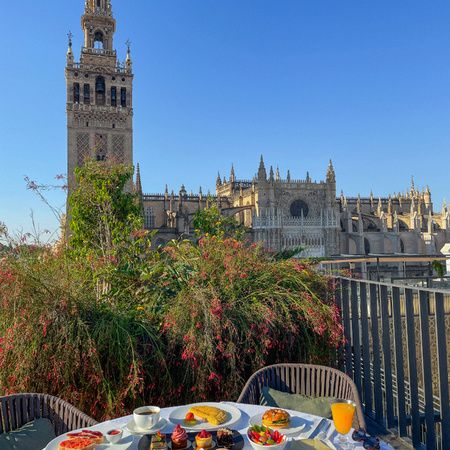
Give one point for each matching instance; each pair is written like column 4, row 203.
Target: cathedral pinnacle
column 277, row 174
column 69, row 48
column 138, row 185
column 288, row 176
column 262, row 174
column 218, row 179
column 128, row 61
column 331, row 176
column 232, row 174
column 271, row 175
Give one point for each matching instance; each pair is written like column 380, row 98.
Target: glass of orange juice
column 343, row 412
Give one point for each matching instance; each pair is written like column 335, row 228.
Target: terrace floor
column 375, row 429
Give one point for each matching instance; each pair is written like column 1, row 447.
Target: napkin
column 305, row 444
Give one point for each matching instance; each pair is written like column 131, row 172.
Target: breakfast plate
column 123, row 444
column 134, row 429
column 178, row 415
column 297, row 424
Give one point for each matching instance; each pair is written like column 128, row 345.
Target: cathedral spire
column 138, row 180
column 98, row 7
column 271, row 176
column 218, row 179
column 69, row 49
column 232, row 174
column 331, row 176
column 262, row 174
column 277, row 174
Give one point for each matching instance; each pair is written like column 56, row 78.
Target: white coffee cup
column 146, row 417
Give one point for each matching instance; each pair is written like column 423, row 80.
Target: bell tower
column 99, row 94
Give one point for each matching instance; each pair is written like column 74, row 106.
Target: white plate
column 296, row 425
column 123, row 444
column 134, row 429
column 177, row 417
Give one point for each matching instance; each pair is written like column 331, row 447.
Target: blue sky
column 366, row 83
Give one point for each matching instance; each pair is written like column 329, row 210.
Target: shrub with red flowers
column 108, row 324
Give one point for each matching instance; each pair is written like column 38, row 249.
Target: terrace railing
column 396, row 352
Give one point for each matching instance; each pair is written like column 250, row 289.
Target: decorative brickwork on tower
column 99, row 94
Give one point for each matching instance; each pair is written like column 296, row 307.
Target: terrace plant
column 108, row 324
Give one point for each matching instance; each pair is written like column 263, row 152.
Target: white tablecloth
column 247, row 412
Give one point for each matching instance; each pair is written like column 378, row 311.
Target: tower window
column 98, row 40
column 123, row 97
column 113, row 96
column 100, row 91
column 76, row 92
column 87, row 94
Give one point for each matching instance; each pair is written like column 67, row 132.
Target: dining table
column 313, row 426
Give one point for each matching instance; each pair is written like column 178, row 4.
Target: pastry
column 203, row 440
column 77, row 444
column 158, row 442
column 213, row 415
column 179, row 438
column 225, row 438
column 95, row 436
column 276, row 418
column 189, row 420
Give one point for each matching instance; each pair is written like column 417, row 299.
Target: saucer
column 134, row 429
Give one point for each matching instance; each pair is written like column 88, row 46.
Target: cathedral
column 281, row 212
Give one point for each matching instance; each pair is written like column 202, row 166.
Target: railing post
column 356, row 343
column 412, row 366
column 366, row 349
column 346, row 322
column 426, row 368
column 441, row 345
column 400, row 374
column 378, row 395
column 386, row 340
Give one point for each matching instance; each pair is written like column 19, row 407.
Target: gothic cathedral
column 281, row 212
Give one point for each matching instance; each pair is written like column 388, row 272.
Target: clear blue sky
column 366, row 83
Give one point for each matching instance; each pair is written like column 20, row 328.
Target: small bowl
column 279, row 446
column 114, row 436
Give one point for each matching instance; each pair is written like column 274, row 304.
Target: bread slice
column 77, row 444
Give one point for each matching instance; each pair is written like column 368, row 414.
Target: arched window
column 113, row 96
column 123, row 97
column 76, row 92
column 100, row 91
column 98, row 40
column 299, row 208
column 87, row 94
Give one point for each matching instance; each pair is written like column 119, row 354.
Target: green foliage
column 109, row 324
column 103, row 215
column 439, row 268
column 211, row 222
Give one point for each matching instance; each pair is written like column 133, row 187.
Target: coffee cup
column 146, row 417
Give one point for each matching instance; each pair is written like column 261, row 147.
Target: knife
column 317, row 428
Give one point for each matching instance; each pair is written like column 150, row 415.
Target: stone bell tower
column 99, row 94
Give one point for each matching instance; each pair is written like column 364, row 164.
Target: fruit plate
column 296, row 425
column 177, row 417
column 238, row 440
column 123, row 444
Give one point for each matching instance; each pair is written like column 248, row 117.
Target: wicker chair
column 305, row 379
column 17, row 410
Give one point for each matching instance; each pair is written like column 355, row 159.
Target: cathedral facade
column 281, row 212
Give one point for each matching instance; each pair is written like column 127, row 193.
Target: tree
column 103, row 214
column 210, row 221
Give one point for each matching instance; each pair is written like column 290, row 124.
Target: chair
column 17, row 410
column 305, row 379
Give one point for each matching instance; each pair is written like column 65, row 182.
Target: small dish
column 114, row 436
column 134, row 429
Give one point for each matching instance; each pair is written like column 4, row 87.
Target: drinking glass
column 343, row 412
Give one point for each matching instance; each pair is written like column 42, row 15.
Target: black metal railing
column 396, row 352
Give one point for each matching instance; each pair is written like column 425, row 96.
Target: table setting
column 222, row 426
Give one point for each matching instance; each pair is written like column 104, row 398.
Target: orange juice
column 343, row 416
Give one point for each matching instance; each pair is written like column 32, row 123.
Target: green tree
column 210, row 221
column 103, row 214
